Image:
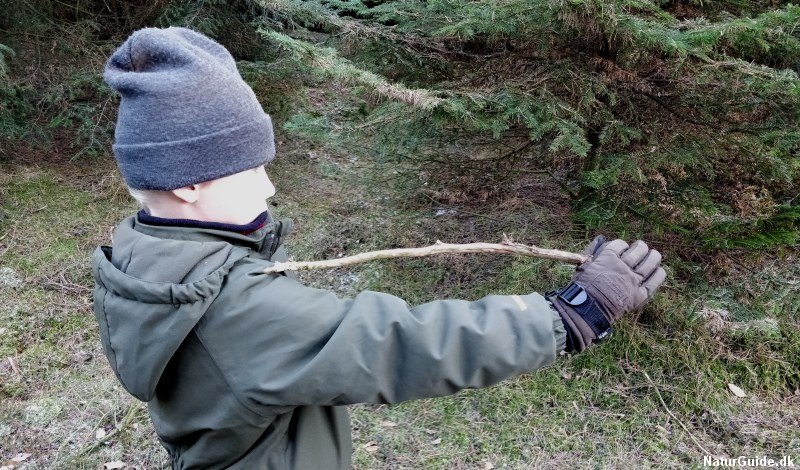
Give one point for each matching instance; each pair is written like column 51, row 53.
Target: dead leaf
column 488, row 465
column 737, row 391
column 113, row 465
column 21, row 457
column 388, row 424
column 15, row 460
column 99, row 434
column 436, row 441
column 371, row 447
column 80, row 357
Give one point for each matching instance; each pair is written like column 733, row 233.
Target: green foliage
column 4, row 52
column 298, row 15
column 15, row 109
column 105, row 18
column 635, row 106
column 14, row 105
column 83, row 104
column 782, row 228
column 226, row 21
column 280, row 91
column 642, row 105
column 308, row 126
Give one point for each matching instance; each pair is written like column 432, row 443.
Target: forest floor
column 657, row 395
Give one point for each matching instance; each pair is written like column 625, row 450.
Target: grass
column 55, row 389
column 655, row 396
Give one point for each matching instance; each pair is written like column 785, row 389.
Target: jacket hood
column 151, row 291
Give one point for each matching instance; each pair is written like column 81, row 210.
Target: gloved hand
column 616, row 280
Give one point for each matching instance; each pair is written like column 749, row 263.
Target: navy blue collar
column 255, row 224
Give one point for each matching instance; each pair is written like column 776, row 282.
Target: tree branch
column 507, row 247
column 712, row 125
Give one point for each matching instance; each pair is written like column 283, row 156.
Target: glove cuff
column 582, row 317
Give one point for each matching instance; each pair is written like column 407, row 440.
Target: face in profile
column 236, row 199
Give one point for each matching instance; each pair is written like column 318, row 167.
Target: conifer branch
column 328, row 61
column 506, row 247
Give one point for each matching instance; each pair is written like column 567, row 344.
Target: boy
column 246, row 370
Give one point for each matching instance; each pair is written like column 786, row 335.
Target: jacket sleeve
column 282, row 343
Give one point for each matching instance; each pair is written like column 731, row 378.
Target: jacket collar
column 264, row 240
column 255, row 224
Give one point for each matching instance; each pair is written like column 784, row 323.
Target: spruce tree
column 680, row 114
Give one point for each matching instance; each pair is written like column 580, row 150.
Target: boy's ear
column 189, row 194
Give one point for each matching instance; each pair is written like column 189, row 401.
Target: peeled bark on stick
column 507, row 247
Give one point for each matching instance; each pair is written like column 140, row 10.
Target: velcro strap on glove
column 579, row 300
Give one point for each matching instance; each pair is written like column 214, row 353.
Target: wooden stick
column 664, row 404
column 507, row 247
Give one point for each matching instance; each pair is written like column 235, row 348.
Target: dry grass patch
column 62, row 404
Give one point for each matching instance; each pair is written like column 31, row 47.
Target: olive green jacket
column 246, row 370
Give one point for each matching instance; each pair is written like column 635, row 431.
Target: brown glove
column 617, row 279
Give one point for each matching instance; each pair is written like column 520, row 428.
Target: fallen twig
column 664, row 404
column 507, row 247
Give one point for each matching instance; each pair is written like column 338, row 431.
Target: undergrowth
column 652, row 396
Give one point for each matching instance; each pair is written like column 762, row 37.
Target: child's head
column 191, row 137
column 232, row 199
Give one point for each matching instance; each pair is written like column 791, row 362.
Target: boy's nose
column 269, row 188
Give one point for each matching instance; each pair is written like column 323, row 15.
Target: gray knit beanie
column 186, row 116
